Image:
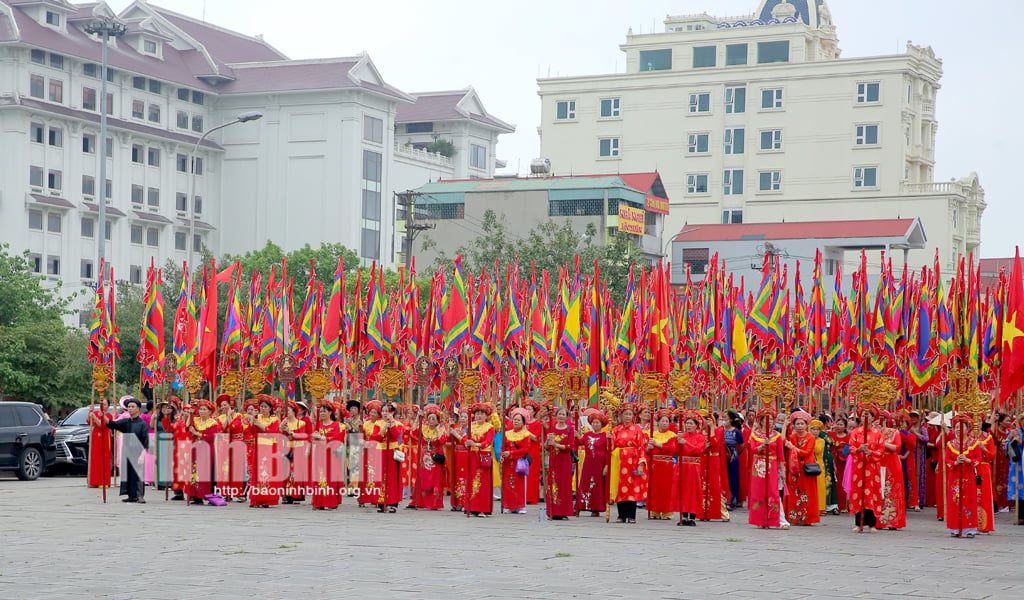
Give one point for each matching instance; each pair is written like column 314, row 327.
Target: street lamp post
column 242, row 118
column 107, row 30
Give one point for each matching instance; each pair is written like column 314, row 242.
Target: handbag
column 812, row 469
column 485, row 459
column 522, row 466
column 438, row 458
column 399, row 456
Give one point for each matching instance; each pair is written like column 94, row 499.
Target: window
column 88, row 227
column 154, row 113
column 732, row 182
column 149, row 47
column 39, row 57
column 697, row 183
column 419, row 127
column 956, row 218
column 91, row 70
column 735, row 99
column 734, row 140
column 53, row 265
column 35, row 176
column 35, row 220
column 772, row 52
column 609, row 107
column 372, row 165
column 865, row 177
column 197, row 97
column 53, row 222
column 197, row 205
column 704, row 56
column 373, row 129
column 182, row 120
column 89, row 143
column 477, row 156
column 137, row 194
column 181, row 202
column 139, row 83
column 197, row 123
column 138, row 109
column 108, row 230
column 700, row 102
column 110, row 148
column 697, row 143
column 56, row 137
column 608, row 147
column 181, row 163
column 54, row 180
column 86, row 269
column 135, row 275
column 36, row 132
column 370, row 243
column 56, row 90
column 867, row 135
column 867, row 93
column 697, row 259
column 153, row 157
column 565, row 110
column 137, row 153
column 655, row 60
column 736, row 54
column 770, row 181
column 197, row 243
column 36, row 86
column 108, row 192
column 88, row 185
column 153, row 197
column 136, row 234
column 771, row 139
column 771, row 99
column 153, row 237
column 197, row 165
column 576, row 207
column 180, row 240
column 371, row 205
column 52, row 18
column 88, row 98
column 111, row 74
column 183, row 94
column 732, row 216
column 35, row 263
column 56, row 61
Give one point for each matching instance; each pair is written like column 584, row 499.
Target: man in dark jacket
column 133, row 451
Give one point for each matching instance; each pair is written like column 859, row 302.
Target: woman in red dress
column 328, row 449
column 264, row 480
column 630, row 441
column 251, row 409
column 986, row 502
column 745, row 458
column 560, row 442
column 802, row 494
column 691, row 445
column 1000, row 430
column 100, row 445
column 428, row 442
column 712, row 500
column 962, row 455
column 230, row 467
column 908, row 457
column 371, row 477
column 536, row 428
column 515, row 444
column 866, row 449
column 460, row 462
column 840, row 454
column 479, row 460
column 894, row 510
column 766, row 455
column 663, row 499
column 203, row 428
column 388, row 435
column 592, row 487
column 296, row 429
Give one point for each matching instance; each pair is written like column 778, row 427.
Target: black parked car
column 27, row 440
column 73, row 439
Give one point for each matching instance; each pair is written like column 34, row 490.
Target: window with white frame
column 734, row 140
column 89, row 143
column 698, row 143
column 88, row 185
column 153, row 157
column 700, row 102
column 35, row 263
column 373, row 129
column 769, row 181
column 732, row 182
column 86, row 269
column 477, row 156
column 56, row 137
column 868, row 92
column 88, row 227
column 54, row 222
column 135, row 275
column 36, row 176
column 771, row 99
column 771, row 139
column 609, row 108
column 181, row 202
column 865, row 177
column 136, row 234
column 152, row 237
column 697, row 183
column 153, row 197
column 565, row 110
column 53, row 265
column 180, row 240
column 867, row 135
column 732, row 216
column 35, row 220
column 735, row 99
column 55, row 180
column 37, row 132
column 608, row 147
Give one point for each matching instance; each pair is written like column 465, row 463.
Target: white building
column 320, row 166
column 758, row 119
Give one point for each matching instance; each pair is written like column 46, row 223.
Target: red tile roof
column 292, row 75
column 199, row 224
column 52, row 201
column 152, row 217
column 788, row 231
column 443, row 106
column 111, row 210
column 227, row 46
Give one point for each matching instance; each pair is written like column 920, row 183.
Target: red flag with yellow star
column 1011, row 376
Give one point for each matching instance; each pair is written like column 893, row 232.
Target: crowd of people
column 682, row 465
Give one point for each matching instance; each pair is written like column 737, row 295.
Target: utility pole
column 412, row 228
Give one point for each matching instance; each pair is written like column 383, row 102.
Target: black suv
column 27, row 444
column 73, row 438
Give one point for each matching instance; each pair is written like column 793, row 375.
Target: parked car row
column 27, row 440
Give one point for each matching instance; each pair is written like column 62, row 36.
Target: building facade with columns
column 759, row 119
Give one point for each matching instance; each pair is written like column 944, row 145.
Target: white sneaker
column 521, row 511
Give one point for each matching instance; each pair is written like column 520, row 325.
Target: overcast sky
column 501, row 48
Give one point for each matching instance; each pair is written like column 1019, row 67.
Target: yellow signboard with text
column 631, row 220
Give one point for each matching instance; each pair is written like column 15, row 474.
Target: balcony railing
column 935, row 187
column 431, row 157
column 650, row 244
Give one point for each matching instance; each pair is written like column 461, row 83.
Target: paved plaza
column 58, row 540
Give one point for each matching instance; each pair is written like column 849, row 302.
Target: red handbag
column 485, row 459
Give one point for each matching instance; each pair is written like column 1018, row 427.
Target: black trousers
column 869, row 518
column 627, row 509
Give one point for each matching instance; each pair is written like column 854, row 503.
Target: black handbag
column 438, row 458
column 812, row 469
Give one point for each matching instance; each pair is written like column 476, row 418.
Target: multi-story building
column 759, row 119
column 320, row 166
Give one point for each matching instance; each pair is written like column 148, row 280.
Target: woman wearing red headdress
column 691, row 445
column 866, row 449
column 328, row 449
column 100, row 445
column 251, row 408
column 986, row 501
column 536, row 429
column 371, row 476
column 962, row 455
column 560, row 442
column 766, row 455
column 515, row 445
column 894, row 509
column 802, row 495
column 264, row 427
column 295, row 429
column 712, row 500
column 203, row 428
column 592, row 487
column 479, row 443
column 663, row 498
column 388, row 434
column 230, row 468
column 460, row 462
column 427, row 442
column 840, row 454
column 630, row 441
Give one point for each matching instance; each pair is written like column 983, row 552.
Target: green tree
column 442, row 147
